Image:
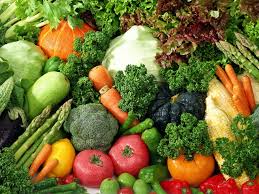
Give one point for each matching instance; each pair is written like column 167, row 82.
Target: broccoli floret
column 137, row 88
column 91, row 127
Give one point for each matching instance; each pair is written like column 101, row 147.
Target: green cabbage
column 25, row 59
column 136, row 46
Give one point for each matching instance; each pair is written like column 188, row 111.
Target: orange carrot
column 237, row 86
column 245, row 106
column 46, row 170
column 249, row 92
column 232, row 75
column 110, row 100
column 100, row 77
column 224, row 79
column 240, row 106
column 40, row 159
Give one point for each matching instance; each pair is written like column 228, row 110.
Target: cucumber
column 50, row 182
column 5, row 93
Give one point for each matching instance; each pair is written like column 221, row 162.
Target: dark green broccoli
column 189, row 137
column 137, row 88
column 91, row 127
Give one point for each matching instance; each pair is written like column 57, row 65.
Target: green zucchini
column 5, row 93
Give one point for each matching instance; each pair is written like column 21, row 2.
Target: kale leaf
column 12, row 179
column 241, row 154
column 189, row 137
column 194, row 77
column 137, row 88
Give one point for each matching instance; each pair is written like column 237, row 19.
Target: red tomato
column 91, row 167
column 129, row 154
column 126, row 190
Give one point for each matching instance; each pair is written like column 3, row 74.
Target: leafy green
column 105, row 18
column 242, row 154
column 137, row 88
column 122, row 7
column 25, row 59
column 83, row 92
column 194, row 77
column 28, row 32
column 188, row 138
column 93, row 47
column 207, row 52
column 12, row 179
column 81, row 87
column 5, row 70
column 252, row 30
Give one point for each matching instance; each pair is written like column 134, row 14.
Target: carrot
column 224, row 79
column 40, row 159
column 232, row 75
column 247, row 85
column 238, row 87
column 240, row 106
column 46, row 170
column 100, row 77
column 110, row 98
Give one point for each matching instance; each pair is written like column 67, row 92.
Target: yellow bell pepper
column 64, row 152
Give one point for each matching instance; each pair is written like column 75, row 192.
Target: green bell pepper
column 153, row 175
column 52, row 64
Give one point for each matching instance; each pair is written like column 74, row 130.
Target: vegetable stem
column 35, row 124
column 11, row 22
column 49, row 122
column 41, row 24
column 30, row 151
column 8, row 13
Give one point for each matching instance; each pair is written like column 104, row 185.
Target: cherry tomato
column 126, row 190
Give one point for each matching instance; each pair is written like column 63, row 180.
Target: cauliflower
column 91, row 127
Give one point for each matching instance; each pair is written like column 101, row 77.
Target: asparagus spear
column 53, row 131
column 227, row 54
column 247, row 54
column 247, row 43
column 35, row 124
column 26, row 145
column 30, row 151
column 242, row 61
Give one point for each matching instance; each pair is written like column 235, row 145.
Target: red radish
column 91, row 167
column 129, row 154
column 126, row 190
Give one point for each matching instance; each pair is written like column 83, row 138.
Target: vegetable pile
column 129, row 97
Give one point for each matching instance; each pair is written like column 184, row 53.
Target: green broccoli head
column 91, row 127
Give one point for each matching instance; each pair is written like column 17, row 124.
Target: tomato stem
column 95, row 159
column 127, row 152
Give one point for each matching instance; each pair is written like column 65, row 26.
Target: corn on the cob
column 220, row 112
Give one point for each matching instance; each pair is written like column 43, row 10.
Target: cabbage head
column 25, row 59
column 137, row 46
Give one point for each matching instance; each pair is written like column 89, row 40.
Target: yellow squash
column 64, row 152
